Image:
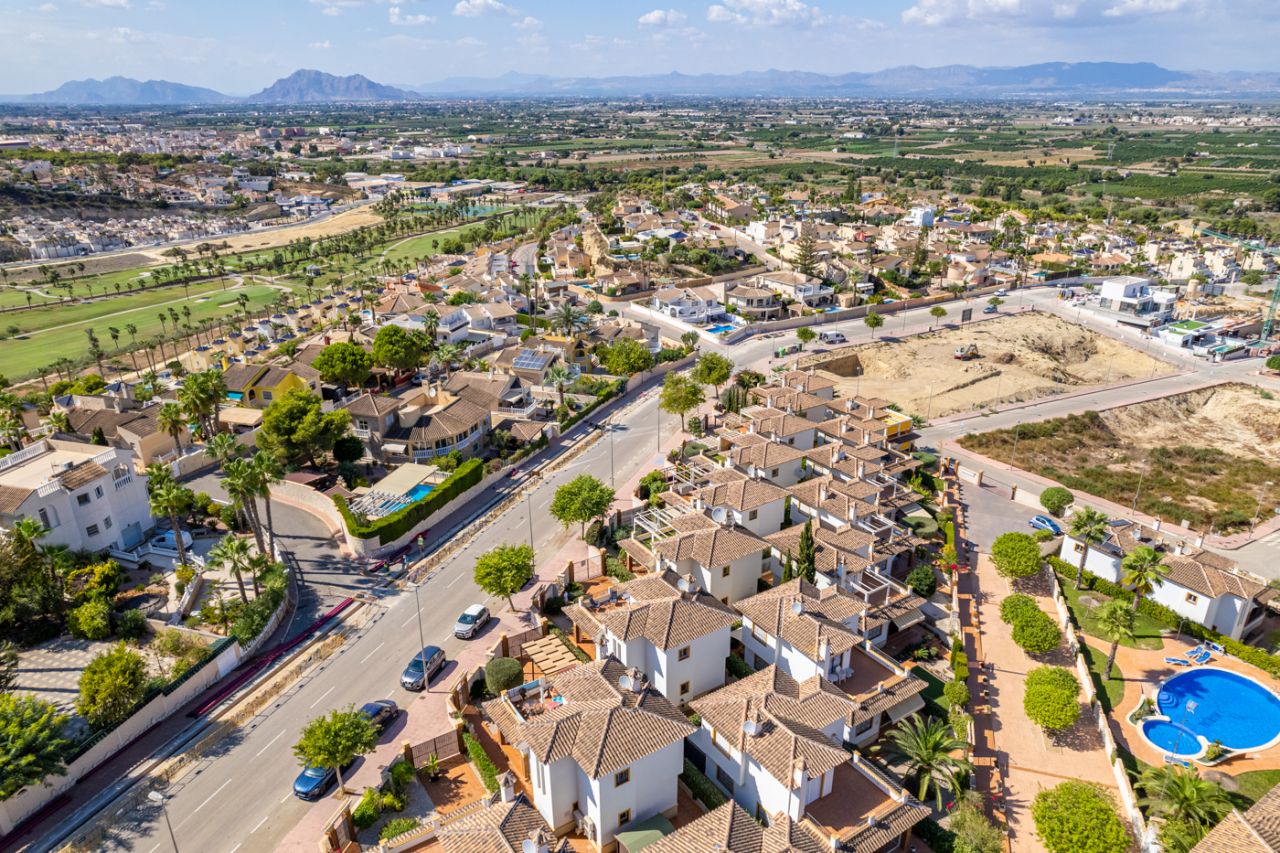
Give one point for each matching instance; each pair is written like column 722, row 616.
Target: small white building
column 1134, row 301
column 724, row 560
column 88, row 497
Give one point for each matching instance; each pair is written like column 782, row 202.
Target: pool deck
column 1145, row 670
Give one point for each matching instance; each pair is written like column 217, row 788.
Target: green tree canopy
column 1052, row 698
column 873, row 321
column 712, row 369
column 804, row 334
column 295, row 426
column 396, row 349
column 504, row 570
column 626, row 356
column 1016, row 555
column 111, row 686
column 334, row 740
column 680, row 395
column 581, row 501
column 344, row 363
column 1056, row 499
column 807, row 553
column 1037, row 634
column 32, row 745
column 1079, row 817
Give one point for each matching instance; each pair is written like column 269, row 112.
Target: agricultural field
column 1204, row 456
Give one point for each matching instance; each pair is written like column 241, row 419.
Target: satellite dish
column 719, row 515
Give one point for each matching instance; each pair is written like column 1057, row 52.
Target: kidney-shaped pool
column 1217, row 705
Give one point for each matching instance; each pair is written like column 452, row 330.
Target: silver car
column 471, row 621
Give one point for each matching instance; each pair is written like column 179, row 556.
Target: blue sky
column 239, row 46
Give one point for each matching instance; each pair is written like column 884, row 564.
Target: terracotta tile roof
column 887, row 827
column 81, row 475
column 730, row 829
column 766, row 454
column 710, row 546
column 453, row 420
column 653, row 608
column 11, row 497
column 1255, row 831
column 239, row 377
column 740, row 492
column 832, row 548
column 801, row 615
column 500, row 828
column 786, row 398
column 601, row 725
column 776, row 422
column 1200, row 571
column 810, row 383
column 788, row 717
column 372, row 405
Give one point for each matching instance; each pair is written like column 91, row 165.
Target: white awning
column 393, row 447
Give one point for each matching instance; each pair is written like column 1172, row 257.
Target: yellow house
column 257, row 385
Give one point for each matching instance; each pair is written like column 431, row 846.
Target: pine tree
column 806, row 255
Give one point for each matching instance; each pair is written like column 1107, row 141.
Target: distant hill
column 1049, row 79
column 125, row 90
column 310, row 87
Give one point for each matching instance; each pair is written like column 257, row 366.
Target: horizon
column 414, row 43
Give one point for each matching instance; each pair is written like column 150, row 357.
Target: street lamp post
column 422, row 640
column 1257, row 513
column 157, row 797
column 1133, row 508
column 609, row 426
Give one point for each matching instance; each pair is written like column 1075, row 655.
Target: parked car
column 1044, row 522
column 1002, row 292
column 832, row 338
column 422, row 668
column 990, row 309
column 313, row 782
column 471, row 621
column 169, row 542
column 381, row 712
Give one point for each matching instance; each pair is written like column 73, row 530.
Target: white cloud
column 397, row 19
column 766, row 13
column 320, row 45
column 476, row 8
column 533, row 42
column 1145, row 7
column 106, row 4
column 527, row 23
column 663, row 18
column 931, row 13
column 47, row 7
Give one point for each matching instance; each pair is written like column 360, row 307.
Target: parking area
column 992, row 513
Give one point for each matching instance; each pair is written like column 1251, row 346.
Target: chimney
column 1180, row 548
column 751, row 426
column 824, row 648
column 823, row 492
column 799, row 773
column 507, row 786
column 685, row 583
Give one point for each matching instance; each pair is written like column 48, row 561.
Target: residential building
column 730, row 209
column 798, row 287
column 504, row 827
column 1132, row 300
column 753, row 303
column 664, row 626
column 89, row 498
column 115, row 420
column 725, row 561
column 435, row 423
column 1200, row 585
column 603, row 748
column 257, row 385
column 1256, row 830
column 693, row 305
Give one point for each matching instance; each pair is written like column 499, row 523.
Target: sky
column 241, row 46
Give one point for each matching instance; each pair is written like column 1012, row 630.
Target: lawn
column 422, row 247
column 1110, row 693
column 1146, row 631
column 1255, row 783
column 23, row 356
column 932, row 692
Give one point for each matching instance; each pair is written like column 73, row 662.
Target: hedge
column 391, row 527
column 701, row 787
column 737, row 667
column 939, row 838
column 1018, row 607
column 1158, row 612
column 488, row 772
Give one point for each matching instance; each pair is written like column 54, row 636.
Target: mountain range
column 1050, row 79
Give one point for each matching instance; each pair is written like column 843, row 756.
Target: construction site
column 1004, row 360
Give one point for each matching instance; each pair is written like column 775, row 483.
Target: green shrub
column 1079, row 817
column 502, row 674
column 616, row 569
column 391, row 527
column 939, row 839
column 251, row 618
column 1273, row 363
column 956, row 693
column 402, row 775
column 397, row 826
column 1051, row 700
column 131, row 625
column 701, row 787
column 488, row 772
column 392, row 801
column 922, row 581
column 737, row 667
column 1037, row 635
column 1017, row 608
column 366, row 812
column 1056, row 499
column 1016, row 555
column 91, row 620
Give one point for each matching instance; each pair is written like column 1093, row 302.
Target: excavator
column 967, row 352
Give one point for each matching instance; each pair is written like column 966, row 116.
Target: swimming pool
column 419, row 492
column 723, row 327
column 1216, row 705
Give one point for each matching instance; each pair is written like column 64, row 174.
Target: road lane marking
column 371, row 654
column 322, row 695
column 210, row 797
column 237, row 847
column 405, row 623
column 260, row 823
column 268, row 746
column 455, row 580
column 286, row 797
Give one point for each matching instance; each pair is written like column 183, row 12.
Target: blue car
column 312, row 782
column 1044, row 522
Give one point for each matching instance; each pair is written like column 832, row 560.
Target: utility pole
column 157, row 797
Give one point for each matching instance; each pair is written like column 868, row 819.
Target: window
column 724, row 573
column 83, row 500
column 621, row 778
column 753, row 515
column 683, row 654
column 107, row 522
column 97, row 490
column 45, row 520
column 863, row 726
column 684, row 688
column 725, row 780
column 1077, row 547
column 875, row 632
column 773, row 473
column 266, row 395
column 92, row 530
column 1192, row 598
column 624, row 817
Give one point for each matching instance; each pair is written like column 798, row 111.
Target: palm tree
column 223, row 447
column 241, row 483
column 1143, row 572
column 558, row 377
column 927, row 746
column 172, row 419
column 1090, row 527
column 269, row 470
column 1114, row 621
column 568, row 319
column 232, row 552
column 1180, row 794
column 172, row 499
column 445, row 355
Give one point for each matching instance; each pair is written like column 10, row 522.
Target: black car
column 418, row 674
column 381, row 712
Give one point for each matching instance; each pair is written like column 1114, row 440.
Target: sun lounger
column 1191, row 653
column 1203, row 658
column 1214, row 647
column 1178, row 661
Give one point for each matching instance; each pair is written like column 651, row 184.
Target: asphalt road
column 240, row 801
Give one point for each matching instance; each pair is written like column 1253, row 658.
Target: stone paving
column 51, row 671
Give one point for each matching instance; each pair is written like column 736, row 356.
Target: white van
column 832, row 338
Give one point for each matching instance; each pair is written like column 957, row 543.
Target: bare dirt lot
column 1204, row 456
column 1021, row 357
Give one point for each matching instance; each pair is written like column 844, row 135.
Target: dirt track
column 1023, row 357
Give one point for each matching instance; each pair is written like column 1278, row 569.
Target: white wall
column 703, row 669
column 741, row 583
column 651, row 791
column 555, row 789
column 1098, row 562
column 768, row 518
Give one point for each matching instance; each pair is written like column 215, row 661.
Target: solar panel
column 531, row 360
